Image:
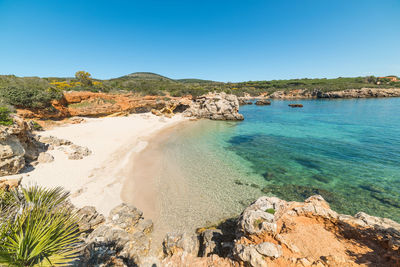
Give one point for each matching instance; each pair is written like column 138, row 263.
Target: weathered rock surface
column 45, row 158
column 217, row 106
column 353, row 93
column 274, row 232
column 17, row 147
column 122, row 240
column 91, row 104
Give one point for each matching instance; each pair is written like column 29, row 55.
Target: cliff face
column 354, row 93
column 89, row 104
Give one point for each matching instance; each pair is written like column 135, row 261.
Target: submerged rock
column 295, row 105
column 217, row 106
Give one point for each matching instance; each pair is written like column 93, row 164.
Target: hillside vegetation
column 37, row 93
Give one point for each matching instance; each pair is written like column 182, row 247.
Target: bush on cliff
column 37, row 228
column 28, row 97
column 5, row 118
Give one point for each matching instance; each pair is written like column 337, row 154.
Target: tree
column 84, row 77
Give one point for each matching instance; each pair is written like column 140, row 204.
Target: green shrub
column 271, row 211
column 38, row 229
column 5, row 118
column 26, row 97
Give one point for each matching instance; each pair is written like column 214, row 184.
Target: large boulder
column 215, row 106
column 17, row 147
column 122, row 240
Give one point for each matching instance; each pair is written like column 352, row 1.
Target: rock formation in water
column 244, row 101
column 352, row 93
column 215, row 106
column 295, row 105
column 263, row 102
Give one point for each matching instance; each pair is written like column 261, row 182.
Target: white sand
column 97, row 180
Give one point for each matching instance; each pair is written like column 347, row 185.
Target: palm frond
column 40, row 230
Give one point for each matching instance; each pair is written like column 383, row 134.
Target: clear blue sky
column 218, row 40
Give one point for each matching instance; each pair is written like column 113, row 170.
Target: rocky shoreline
column 352, row 93
column 269, row 232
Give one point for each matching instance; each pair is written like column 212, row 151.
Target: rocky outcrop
column 122, row 239
column 74, row 152
column 352, row 93
column 263, row 102
column 18, row 147
column 244, row 101
column 216, row 106
column 274, row 232
column 91, row 104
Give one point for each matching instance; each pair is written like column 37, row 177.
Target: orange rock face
column 90, row 104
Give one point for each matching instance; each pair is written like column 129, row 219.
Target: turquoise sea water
column 348, row 151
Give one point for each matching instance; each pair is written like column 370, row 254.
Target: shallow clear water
column 348, row 151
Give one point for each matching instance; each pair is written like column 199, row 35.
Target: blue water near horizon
column 348, row 151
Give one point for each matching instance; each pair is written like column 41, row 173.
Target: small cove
column 348, row 151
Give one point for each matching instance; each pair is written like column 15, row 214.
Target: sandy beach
column 97, row 180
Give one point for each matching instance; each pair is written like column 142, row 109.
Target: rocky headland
column 269, row 232
column 352, row 93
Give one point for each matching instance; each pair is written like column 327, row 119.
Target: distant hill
column 145, row 76
column 193, row 80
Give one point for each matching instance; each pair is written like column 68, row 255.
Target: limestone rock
column 211, row 242
column 123, row 237
column 175, row 243
column 89, row 219
column 269, row 249
column 54, row 141
column 18, row 146
column 45, row 158
column 78, row 152
column 217, row 106
column 249, row 255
